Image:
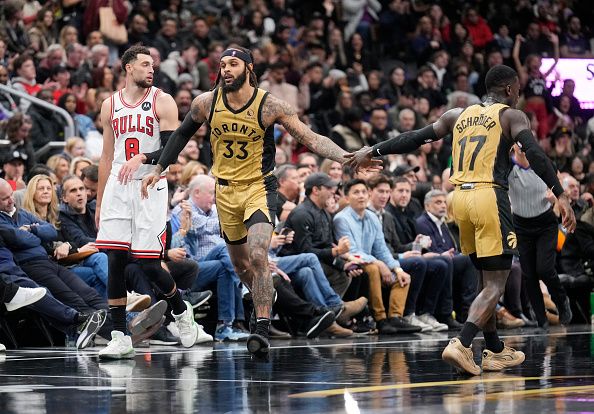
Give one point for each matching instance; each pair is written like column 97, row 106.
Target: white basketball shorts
column 128, row 222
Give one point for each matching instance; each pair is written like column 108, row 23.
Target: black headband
column 238, row 54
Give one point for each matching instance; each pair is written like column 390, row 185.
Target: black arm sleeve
column 153, row 157
column 406, row 142
column 539, row 161
column 178, row 141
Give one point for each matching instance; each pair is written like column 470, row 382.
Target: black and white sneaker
column 89, row 328
column 257, row 343
column 319, row 324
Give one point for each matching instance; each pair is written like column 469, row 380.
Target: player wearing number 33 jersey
column 243, row 153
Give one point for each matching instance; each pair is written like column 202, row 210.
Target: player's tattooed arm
column 277, row 110
column 200, row 108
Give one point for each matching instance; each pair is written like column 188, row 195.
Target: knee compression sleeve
column 116, row 284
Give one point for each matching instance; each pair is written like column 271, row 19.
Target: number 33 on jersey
column 243, row 150
column 480, row 152
column 135, row 129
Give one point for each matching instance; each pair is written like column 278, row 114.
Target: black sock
column 494, row 344
column 176, row 302
column 118, row 317
column 467, row 334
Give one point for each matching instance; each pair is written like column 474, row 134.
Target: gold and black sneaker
column 460, row 357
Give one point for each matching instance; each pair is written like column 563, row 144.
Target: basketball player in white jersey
column 137, row 121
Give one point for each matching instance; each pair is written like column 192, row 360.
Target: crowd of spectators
column 350, row 253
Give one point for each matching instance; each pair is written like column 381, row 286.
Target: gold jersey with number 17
column 242, row 148
column 480, row 151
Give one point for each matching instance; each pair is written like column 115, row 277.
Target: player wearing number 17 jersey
column 136, row 123
column 482, row 138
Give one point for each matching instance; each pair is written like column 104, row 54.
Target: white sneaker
column 434, row 323
column 2, row 348
column 202, row 335
column 25, row 297
column 120, row 347
column 137, row 302
column 187, row 327
column 414, row 320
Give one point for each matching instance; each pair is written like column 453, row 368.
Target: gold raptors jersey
column 480, row 152
column 242, row 149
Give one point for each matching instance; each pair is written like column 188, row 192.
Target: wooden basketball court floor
column 369, row 374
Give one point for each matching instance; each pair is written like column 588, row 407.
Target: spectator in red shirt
column 478, row 29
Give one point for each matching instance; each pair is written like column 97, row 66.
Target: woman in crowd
column 41, row 200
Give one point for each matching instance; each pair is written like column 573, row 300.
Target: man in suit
column 462, row 272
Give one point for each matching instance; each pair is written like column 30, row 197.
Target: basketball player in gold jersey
column 482, row 138
column 241, row 117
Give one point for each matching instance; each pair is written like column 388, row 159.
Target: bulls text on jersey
column 141, row 123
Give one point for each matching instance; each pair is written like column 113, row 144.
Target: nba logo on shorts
column 146, row 106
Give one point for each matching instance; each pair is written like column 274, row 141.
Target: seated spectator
column 427, row 87
column 60, row 316
column 82, row 123
column 309, row 159
column 29, row 254
column 578, row 249
column 427, row 276
column 48, row 125
column 42, row 201
column 13, row 169
column 439, row 298
column 574, row 44
column 25, row 81
column 314, row 232
column 195, row 227
column 349, row 134
column 333, row 169
column 306, row 274
column 380, row 131
column 461, row 271
column 478, row 29
column 75, row 147
column 78, row 164
column 364, row 231
column 288, row 191
column 60, row 166
column 18, row 130
column 276, row 84
column 90, row 177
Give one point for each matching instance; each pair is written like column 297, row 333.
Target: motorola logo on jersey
column 146, row 106
column 133, row 123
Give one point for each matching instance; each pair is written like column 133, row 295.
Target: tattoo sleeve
column 281, row 112
column 262, row 289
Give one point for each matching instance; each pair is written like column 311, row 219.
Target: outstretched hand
column 363, row 160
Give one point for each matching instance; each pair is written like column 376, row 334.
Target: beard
column 143, row 83
column 236, row 84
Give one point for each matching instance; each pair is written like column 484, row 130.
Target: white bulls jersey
column 135, row 129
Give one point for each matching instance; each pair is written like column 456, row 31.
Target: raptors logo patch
column 512, row 241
